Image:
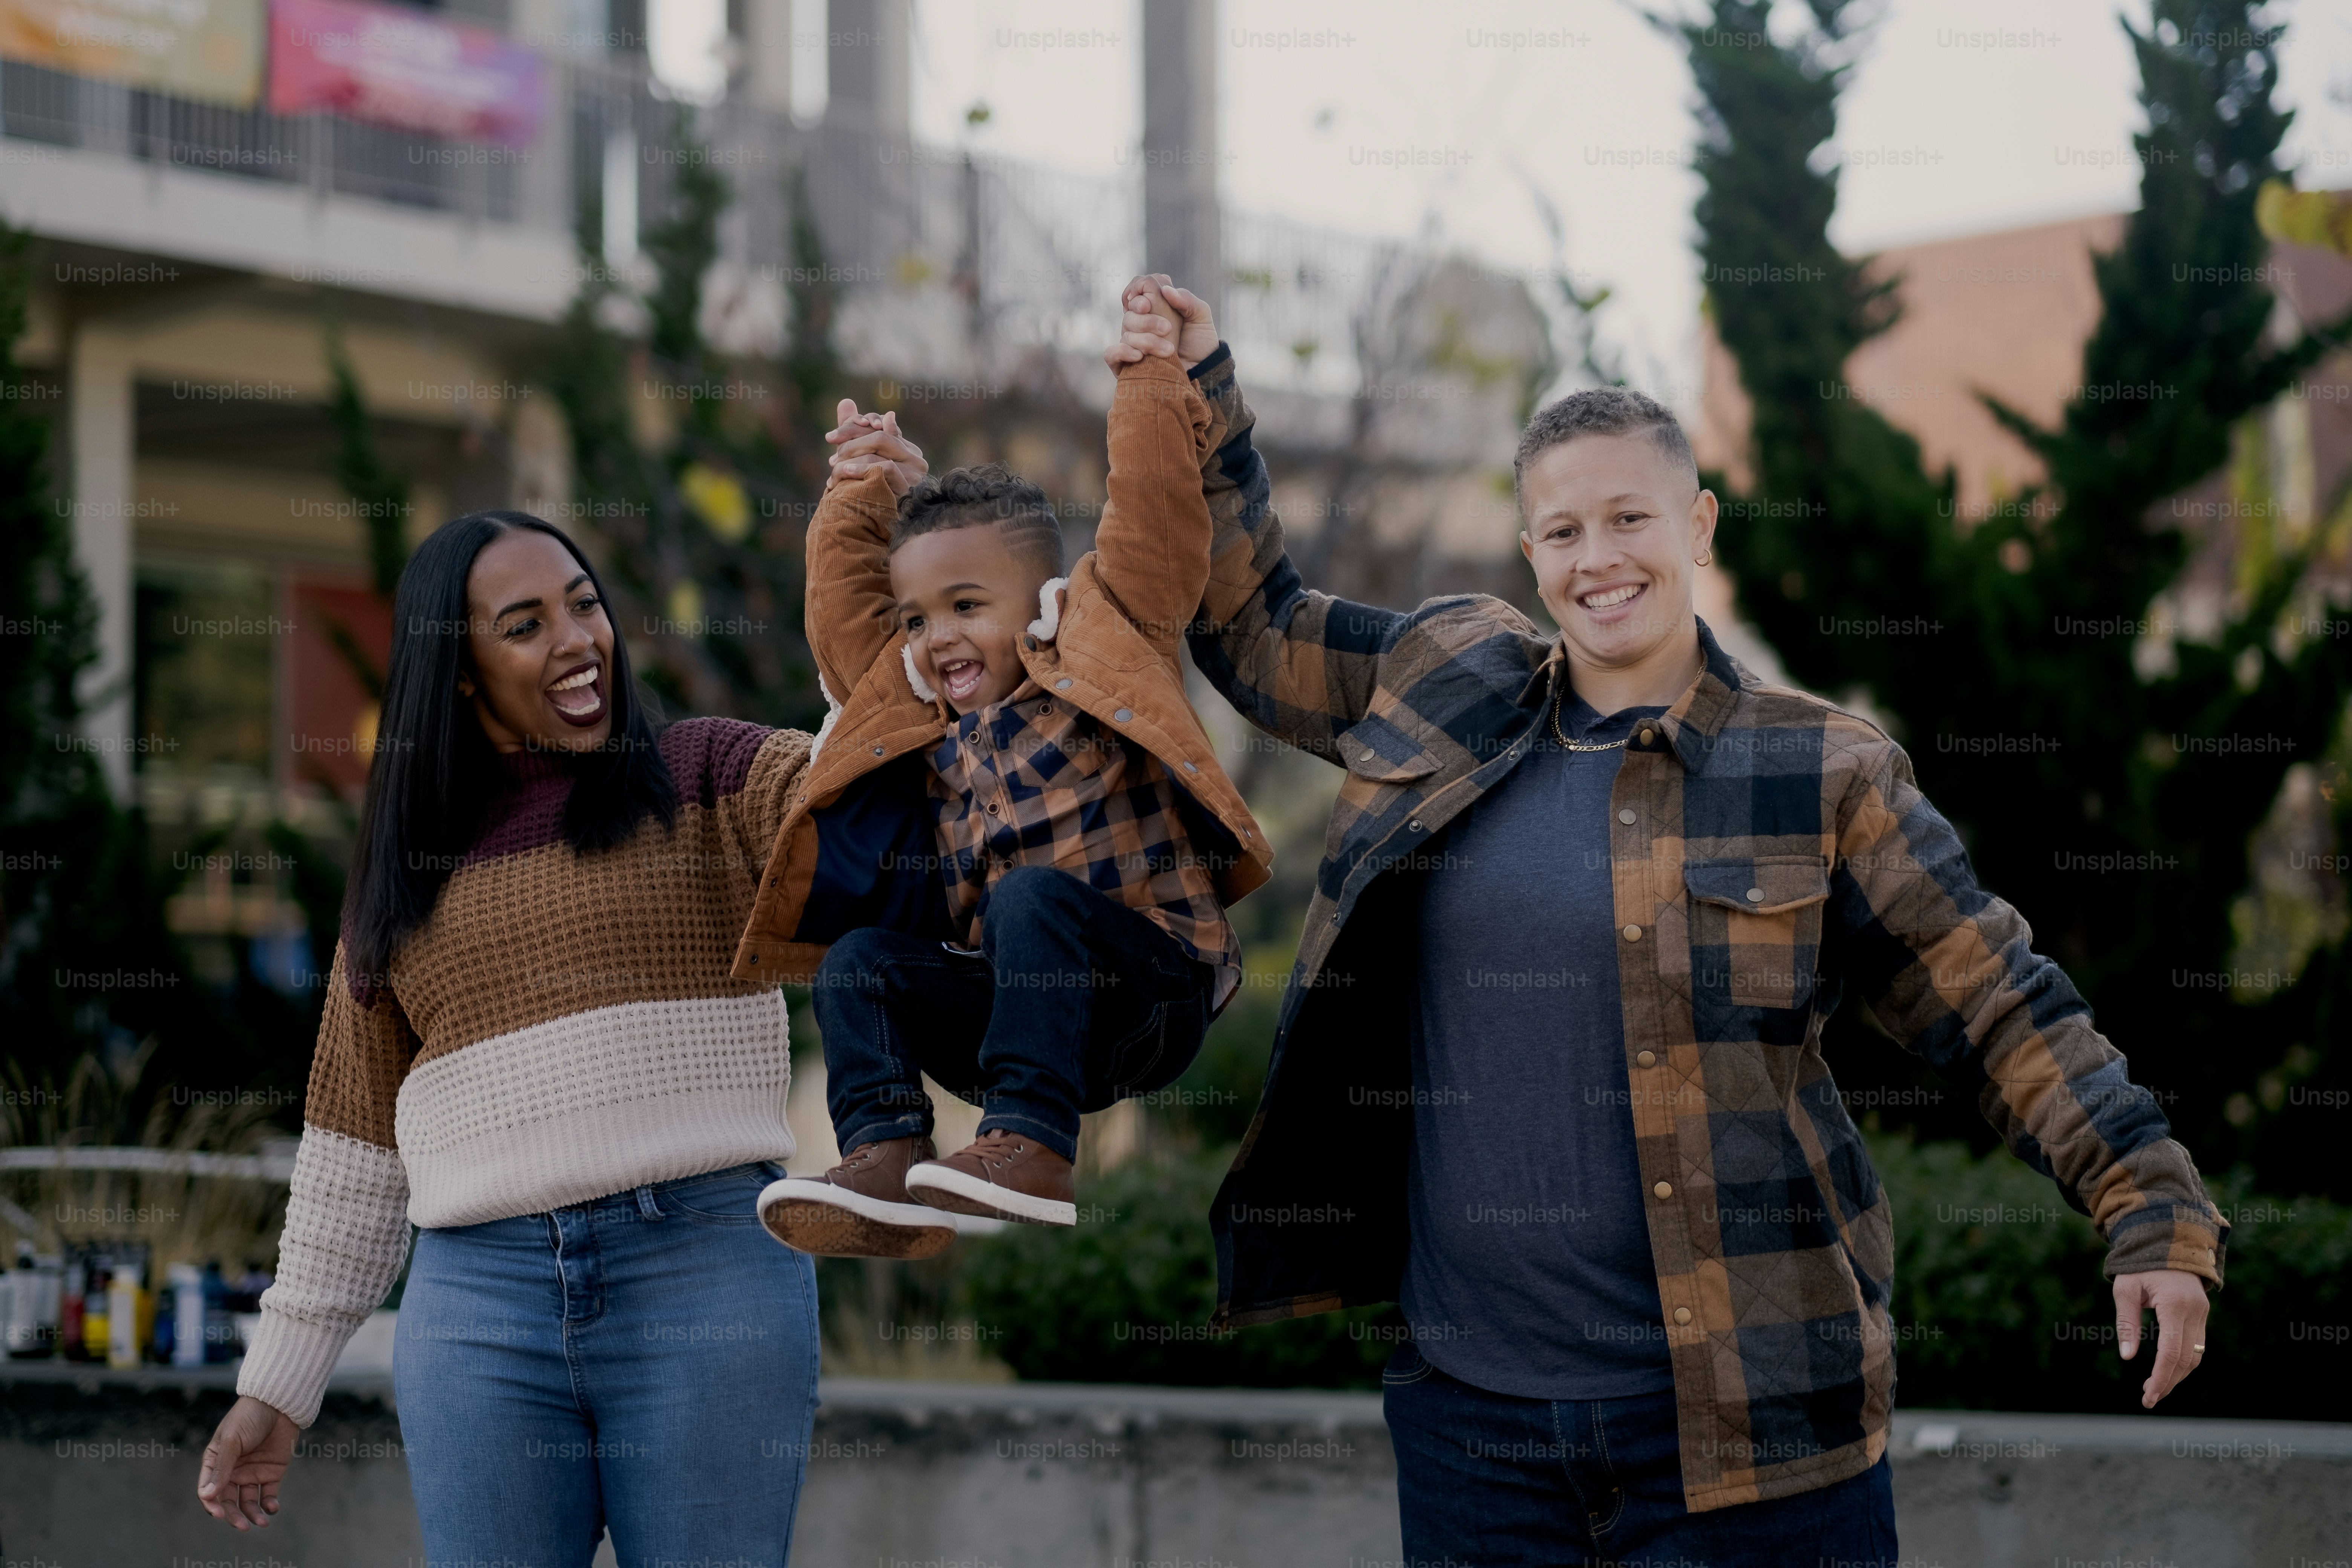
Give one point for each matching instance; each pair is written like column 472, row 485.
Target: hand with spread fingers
column 1161, row 319
column 869, row 443
column 2178, row 1298
column 244, row 1463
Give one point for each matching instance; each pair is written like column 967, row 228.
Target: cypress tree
column 698, row 505
column 2111, row 807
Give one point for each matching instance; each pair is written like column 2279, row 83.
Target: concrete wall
column 98, row 1470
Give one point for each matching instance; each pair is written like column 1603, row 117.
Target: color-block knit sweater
column 562, row 1027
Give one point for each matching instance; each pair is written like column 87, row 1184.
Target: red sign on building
column 333, row 712
column 407, row 70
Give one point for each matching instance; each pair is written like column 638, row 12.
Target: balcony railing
column 322, row 153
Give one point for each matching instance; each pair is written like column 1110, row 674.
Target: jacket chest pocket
column 1382, row 763
column 1756, row 927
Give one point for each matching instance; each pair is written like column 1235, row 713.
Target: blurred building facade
column 2006, row 314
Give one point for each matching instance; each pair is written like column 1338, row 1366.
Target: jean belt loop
column 646, row 1204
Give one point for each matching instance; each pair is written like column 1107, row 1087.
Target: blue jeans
column 1073, row 1002
column 1486, row 1481
column 646, row 1361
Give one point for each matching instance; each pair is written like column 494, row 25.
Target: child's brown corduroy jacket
column 860, row 814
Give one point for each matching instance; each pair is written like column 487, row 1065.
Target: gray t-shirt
column 1529, row 1270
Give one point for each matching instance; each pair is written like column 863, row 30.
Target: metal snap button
column 1063, row 684
column 1647, row 1058
column 1632, row 933
column 1663, row 1189
column 1626, row 816
column 1122, row 716
column 1682, row 1314
column 1755, row 895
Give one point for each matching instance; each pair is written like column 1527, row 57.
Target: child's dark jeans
column 1073, row 1002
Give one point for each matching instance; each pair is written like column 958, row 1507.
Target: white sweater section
column 550, row 1115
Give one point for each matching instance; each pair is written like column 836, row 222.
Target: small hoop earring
column 1708, row 559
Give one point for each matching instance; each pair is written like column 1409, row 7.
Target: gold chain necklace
column 1561, row 735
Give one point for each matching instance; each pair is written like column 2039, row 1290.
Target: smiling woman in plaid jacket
column 1550, row 1073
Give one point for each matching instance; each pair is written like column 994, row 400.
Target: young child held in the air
column 1086, row 842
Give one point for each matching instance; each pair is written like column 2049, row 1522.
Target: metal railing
column 277, row 1165
column 320, row 152
column 272, row 1167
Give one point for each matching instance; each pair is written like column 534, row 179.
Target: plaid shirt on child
column 1033, row 781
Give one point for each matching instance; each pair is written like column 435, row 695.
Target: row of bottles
column 95, row 1304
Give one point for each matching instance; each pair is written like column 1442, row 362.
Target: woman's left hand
column 244, row 1463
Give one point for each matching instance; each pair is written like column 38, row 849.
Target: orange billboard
column 206, row 50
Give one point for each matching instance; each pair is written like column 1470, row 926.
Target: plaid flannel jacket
column 1771, row 852
column 1033, row 781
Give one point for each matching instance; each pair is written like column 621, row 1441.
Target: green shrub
column 1213, row 1101
column 1126, row 1298
column 1987, row 1262
column 1999, row 1304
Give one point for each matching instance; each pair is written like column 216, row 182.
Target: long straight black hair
column 436, row 772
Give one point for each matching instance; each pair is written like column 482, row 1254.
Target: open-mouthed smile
column 961, row 678
column 577, row 695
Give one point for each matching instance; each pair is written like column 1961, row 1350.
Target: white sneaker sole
column 826, row 1221
column 945, row 1187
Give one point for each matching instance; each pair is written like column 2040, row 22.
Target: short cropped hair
column 1603, row 411
column 985, row 493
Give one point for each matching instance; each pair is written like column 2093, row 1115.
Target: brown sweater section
column 360, row 1049
column 656, row 918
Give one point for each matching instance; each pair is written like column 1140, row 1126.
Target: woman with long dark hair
column 533, row 1050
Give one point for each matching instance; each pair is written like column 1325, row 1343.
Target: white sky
column 1942, row 138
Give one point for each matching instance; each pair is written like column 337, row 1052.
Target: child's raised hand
column 1161, row 319
column 1148, row 325
column 869, row 443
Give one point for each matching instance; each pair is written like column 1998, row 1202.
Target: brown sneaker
column 860, row 1209
column 1002, row 1176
